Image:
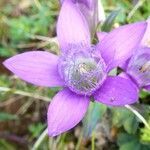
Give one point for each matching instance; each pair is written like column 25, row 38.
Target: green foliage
column 4, row 28
column 21, row 86
column 18, row 28
column 36, row 129
column 24, row 27
column 130, row 142
column 144, row 94
column 4, row 145
column 93, row 116
column 145, row 134
column 7, row 51
column 123, row 117
column 6, row 116
column 110, row 21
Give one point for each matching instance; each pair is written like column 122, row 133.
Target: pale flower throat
column 139, row 69
column 145, row 67
column 82, row 72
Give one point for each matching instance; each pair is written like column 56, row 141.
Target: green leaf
column 94, row 114
column 113, row 72
column 131, row 124
column 132, row 145
column 6, row 116
column 145, row 134
column 6, row 51
column 130, row 142
column 124, row 117
column 144, row 94
column 110, row 21
column 36, row 129
column 4, row 145
column 120, row 115
column 124, row 138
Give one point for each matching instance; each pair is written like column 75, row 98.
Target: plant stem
column 93, row 140
column 40, row 140
column 23, row 93
column 139, row 4
column 37, row 3
column 138, row 115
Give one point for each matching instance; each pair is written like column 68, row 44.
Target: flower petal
column 92, row 11
column 121, row 43
column 124, row 65
column 72, row 27
column 87, row 3
column 128, row 77
column 139, row 66
column 36, row 67
column 65, row 111
column 101, row 35
column 147, row 87
column 117, row 91
column 146, row 39
column 89, row 9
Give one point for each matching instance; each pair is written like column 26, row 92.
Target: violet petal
column 139, row 66
column 117, row 91
column 101, row 35
column 121, row 43
column 36, row 67
column 72, row 27
column 146, row 39
column 91, row 12
column 147, row 87
column 65, row 111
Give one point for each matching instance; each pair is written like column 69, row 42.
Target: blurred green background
column 27, row 25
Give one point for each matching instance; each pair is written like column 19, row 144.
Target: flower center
column 139, row 69
column 147, row 43
column 145, row 67
column 82, row 72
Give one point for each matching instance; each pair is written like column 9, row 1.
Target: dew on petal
column 112, row 99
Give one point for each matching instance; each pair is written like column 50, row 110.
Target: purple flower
column 82, row 69
column 137, row 68
column 146, row 39
column 90, row 10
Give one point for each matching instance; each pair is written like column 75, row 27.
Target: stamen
column 145, row 67
column 147, row 43
column 82, row 73
column 139, row 67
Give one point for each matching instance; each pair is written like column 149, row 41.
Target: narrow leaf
column 94, row 115
column 110, row 21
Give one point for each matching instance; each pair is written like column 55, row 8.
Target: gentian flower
column 92, row 11
column 137, row 67
column 146, row 38
column 82, row 68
